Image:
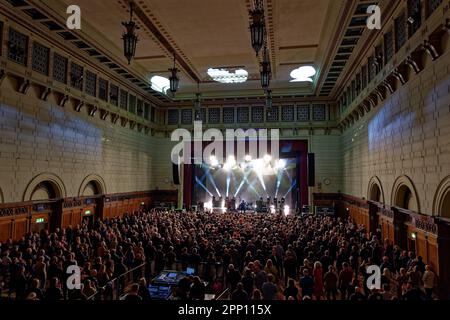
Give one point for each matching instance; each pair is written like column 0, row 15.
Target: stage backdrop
column 295, row 152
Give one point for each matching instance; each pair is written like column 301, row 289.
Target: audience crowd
column 255, row 257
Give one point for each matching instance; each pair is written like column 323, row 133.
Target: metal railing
column 225, row 295
column 115, row 288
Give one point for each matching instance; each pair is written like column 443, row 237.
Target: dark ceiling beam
column 352, row 69
column 164, row 42
column 340, row 31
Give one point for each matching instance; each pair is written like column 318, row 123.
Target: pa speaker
column 311, row 170
column 176, row 174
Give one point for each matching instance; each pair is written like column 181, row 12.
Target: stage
column 279, row 182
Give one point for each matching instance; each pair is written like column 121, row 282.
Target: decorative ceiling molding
column 367, row 45
column 165, row 41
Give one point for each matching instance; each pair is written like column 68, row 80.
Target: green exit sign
column 87, row 212
column 40, row 220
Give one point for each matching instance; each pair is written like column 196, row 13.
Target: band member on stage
column 227, row 203
column 242, row 207
column 259, row 205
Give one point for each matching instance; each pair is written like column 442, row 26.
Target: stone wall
column 406, row 137
column 40, row 138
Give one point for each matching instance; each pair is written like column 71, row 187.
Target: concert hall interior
column 231, row 150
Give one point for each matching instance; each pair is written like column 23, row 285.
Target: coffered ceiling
column 207, row 34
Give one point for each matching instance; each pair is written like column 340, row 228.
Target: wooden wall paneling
column 5, row 228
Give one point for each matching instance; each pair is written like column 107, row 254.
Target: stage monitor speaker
column 176, row 174
column 311, row 170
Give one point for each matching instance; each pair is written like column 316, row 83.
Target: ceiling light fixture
column 257, row 27
column 130, row 39
column 160, row 84
column 303, row 74
column 174, row 80
column 225, row 76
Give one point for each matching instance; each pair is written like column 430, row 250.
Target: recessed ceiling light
column 225, row 76
column 160, row 84
column 303, row 74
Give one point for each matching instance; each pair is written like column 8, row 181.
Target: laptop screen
column 190, row 271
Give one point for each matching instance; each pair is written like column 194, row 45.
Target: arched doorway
column 46, row 191
column 92, row 190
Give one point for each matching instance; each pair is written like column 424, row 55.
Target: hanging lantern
column 174, row 80
column 257, row 27
column 130, row 39
column 269, row 101
column 265, row 76
column 266, row 73
column 198, row 103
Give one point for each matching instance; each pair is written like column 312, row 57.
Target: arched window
column 92, row 185
column 92, row 188
column 375, row 193
column 375, row 190
column 404, row 194
column 44, row 191
column 441, row 204
column 44, row 187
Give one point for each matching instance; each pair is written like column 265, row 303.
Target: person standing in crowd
column 429, row 282
column 133, row 295
column 269, row 288
column 291, row 290
column 318, row 280
column 330, row 283
column 239, row 294
column 307, row 284
column 235, row 248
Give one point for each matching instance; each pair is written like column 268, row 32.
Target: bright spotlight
column 258, row 165
column 267, row 158
column 226, row 167
column 286, row 210
column 231, row 161
column 214, row 161
column 243, row 166
column 280, row 164
column 208, row 205
column 248, row 158
column 272, row 209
